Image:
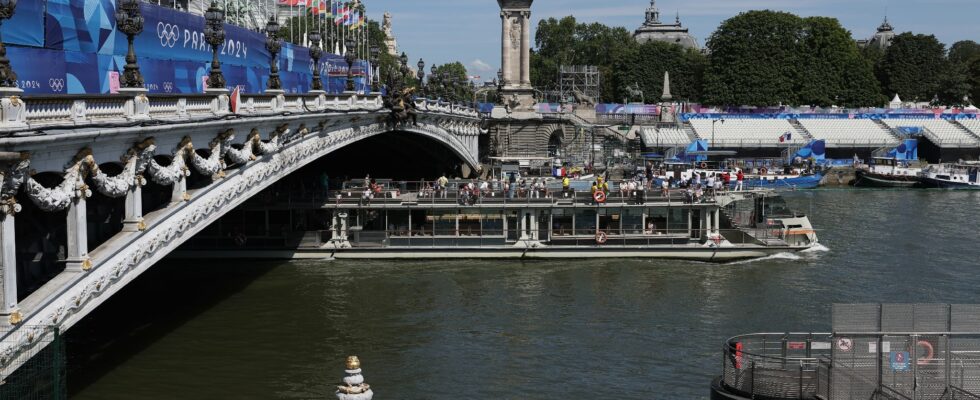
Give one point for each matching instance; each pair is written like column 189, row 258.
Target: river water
column 512, row 330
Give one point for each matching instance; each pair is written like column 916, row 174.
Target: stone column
column 133, row 220
column 179, row 190
column 8, row 261
column 526, row 48
column 505, row 47
column 77, row 236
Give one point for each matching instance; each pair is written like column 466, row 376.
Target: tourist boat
column 779, row 178
column 888, row 173
column 791, row 180
column 962, row 175
column 397, row 224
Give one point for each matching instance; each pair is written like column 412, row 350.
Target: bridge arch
column 249, row 166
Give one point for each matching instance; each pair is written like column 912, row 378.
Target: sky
column 468, row 31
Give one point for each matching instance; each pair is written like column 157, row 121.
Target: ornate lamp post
column 350, row 57
column 8, row 78
column 214, row 33
column 375, row 57
column 273, row 43
column 129, row 20
column 404, row 68
column 315, row 53
column 421, row 75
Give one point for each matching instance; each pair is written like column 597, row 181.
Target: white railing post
column 8, row 262
column 13, row 112
column 137, row 108
column 133, row 219
column 77, row 257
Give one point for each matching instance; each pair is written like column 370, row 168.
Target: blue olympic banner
column 73, row 47
column 644, row 109
column 921, row 115
column 26, row 26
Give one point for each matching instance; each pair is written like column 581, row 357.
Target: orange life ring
column 763, row 171
column 601, row 237
column 704, row 165
column 930, row 352
column 599, row 196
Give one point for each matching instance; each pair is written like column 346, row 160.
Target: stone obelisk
column 515, row 51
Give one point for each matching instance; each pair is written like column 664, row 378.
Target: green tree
column 644, row 65
column 451, row 82
column 963, row 52
column 975, row 80
column 755, row 59
column 913, row 67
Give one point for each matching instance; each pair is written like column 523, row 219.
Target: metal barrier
column 868, row 365
column 41, row 368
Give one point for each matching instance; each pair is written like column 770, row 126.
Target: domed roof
column 654, row 30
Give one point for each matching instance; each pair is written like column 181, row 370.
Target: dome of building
column 654, row 30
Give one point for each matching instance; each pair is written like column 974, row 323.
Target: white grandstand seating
column 852, row 132
column 947, row 132
column 738, row 132
column 973, row 125
column 665, row 136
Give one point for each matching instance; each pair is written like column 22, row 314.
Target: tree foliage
column 768, row 58
column 913, row 67
column 644, row 66
column 567, row 42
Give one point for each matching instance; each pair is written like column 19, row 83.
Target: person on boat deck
column 484, row 187
column 665, row 188
column 443, row 185
column 565, row 184
column 697, row 178
column 739, row 178
column 623, row 188
column 604, row 186
column 710, row 184
column 595, row 187
column 651, row 228
column 726, row 180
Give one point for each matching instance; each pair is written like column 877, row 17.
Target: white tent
column 896, row 103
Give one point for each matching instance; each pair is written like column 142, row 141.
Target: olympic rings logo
column 56, row 85
column 168, row 87
column 168, row 34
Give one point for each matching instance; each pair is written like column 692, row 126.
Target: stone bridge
column 56, row 151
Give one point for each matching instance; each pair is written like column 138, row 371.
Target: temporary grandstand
column 856, row 133
column 945, row 134
column 737, row 132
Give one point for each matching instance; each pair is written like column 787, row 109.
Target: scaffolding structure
column 584, row 79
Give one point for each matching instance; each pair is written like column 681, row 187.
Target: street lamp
column 315, row 53
column 722, row 120
column 129, row 20
column 421, row 75
column 8, row 78
column 375, row 57
column 273, row 43
column 349, row 56
column 214, row 34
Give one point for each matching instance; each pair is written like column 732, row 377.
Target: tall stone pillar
column 8, row 262
column 515, row 51
column 77, row 236
column 526, row 48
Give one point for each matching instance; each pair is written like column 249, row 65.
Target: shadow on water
column 149, row 308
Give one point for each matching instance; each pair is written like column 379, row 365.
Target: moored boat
column 888, row 173
column 962, row 175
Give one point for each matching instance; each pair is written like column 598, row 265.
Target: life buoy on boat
column 599, row 196
column 930, row 352
column 601, row 237
column 704, row 165
column 763, row 171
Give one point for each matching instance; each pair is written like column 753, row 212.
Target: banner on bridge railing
column 72, row 46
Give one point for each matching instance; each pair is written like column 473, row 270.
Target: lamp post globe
column 274, row 44
column 214, row 34
column 421, row 75
column 350, row 57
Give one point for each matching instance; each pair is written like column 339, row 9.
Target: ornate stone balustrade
column 32, row 113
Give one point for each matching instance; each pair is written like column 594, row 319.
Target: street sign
column 845, row 344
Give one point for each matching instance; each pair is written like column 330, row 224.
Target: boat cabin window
column 609, row 221
column 771, row 207
column 585, row 222
column 656, row 221
column 633, row 221
column 561, row 222
column 492, row 223
column 443, row 222
column 469, row 224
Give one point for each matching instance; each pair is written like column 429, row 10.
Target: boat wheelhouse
column 963, row 175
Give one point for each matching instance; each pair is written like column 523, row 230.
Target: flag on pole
column 341, row 15
column 786, row 137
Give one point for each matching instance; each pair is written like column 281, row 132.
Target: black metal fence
column 38, row 371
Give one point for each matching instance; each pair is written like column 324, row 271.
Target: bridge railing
column 37, row 112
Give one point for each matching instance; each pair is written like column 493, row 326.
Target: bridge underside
column 85, row 230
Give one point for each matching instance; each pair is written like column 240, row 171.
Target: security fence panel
column 931, row 318
column 964, row 318
column 897, row 375
column 856, row 317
